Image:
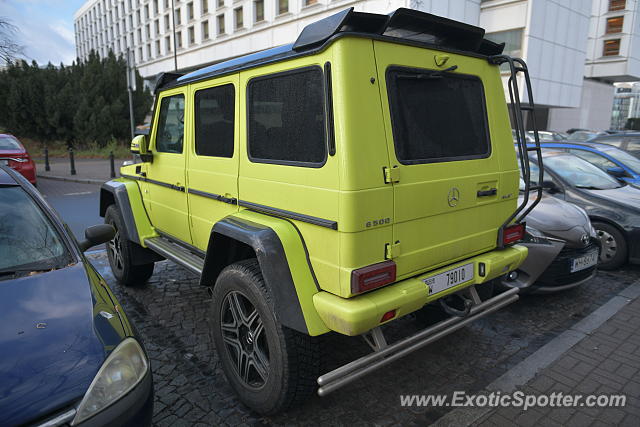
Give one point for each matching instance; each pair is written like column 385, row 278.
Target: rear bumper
column 354, row 316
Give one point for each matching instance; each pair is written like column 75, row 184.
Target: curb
column 526, row 370
column 80, row 180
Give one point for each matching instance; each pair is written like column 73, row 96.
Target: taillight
column 373, row 276
column 513, row 233
column 17, row 160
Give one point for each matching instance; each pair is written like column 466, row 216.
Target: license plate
column 446, row 280
column 585, row 261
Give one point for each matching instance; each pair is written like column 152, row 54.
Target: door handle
column 489, row 192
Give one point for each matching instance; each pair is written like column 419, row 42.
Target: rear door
column 446, row 175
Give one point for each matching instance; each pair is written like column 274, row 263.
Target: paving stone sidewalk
column 605, row 362
column 91, row 171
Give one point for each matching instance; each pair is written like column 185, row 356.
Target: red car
column 14, row 155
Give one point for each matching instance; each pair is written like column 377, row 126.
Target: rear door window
column 437, row 117
column 287, row 118
column 214, row 121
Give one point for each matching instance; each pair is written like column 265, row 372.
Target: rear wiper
column 427, row 76
column 588, row 187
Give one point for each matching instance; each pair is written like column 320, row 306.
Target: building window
column 237, row 15
column 167, row 44
column 166, row 4
column 258, row 8
column 611, row 47
column 139, row 35
column 614, row 25
column 616, row 5
column 146, row 11
column 220, row 3
column 178, row 16
column 155, row 7
column 310, row 2
column 205, row 6
column 148, row 51
column 190, row 11
column 512, row 40
column 179, row 39
column 167, row 23
column 192, row 36
column 156, row 25
column 157, row 47
column 220, row 19
column 148, row 31
column 205, row 30
column 140, row 58
column 283, row 6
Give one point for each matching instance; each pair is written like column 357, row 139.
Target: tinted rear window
column 9, row 143
column 214, row 121
column 437, row 117
column 286, row 118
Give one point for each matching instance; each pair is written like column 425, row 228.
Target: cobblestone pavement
column 606, row 362
column 170, row 313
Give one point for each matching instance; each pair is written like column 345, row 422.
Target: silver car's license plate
column 585, row 261
column 455, row 276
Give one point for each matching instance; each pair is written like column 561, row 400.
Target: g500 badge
column 376, row 222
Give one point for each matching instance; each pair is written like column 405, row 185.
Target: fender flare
column 293, row 302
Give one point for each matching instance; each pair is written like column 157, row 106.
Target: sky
column 45, row 28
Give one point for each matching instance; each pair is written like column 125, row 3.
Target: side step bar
column 345, row 374
column 176, row 253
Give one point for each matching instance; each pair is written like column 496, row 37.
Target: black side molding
column 271, row 257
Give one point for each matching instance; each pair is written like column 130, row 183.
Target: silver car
column 563, row 249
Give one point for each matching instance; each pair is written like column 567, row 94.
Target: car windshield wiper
column 13, row 273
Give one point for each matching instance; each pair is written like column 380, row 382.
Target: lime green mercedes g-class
column 360, row 174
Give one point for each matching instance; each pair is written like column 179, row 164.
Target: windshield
column 28, row 241
column 9, row 143
column 623, row 157
column 580, row 173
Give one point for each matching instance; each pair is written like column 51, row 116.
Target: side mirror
column 139, row 145
column 551, row 187
column 617, row 172
column 96, row 235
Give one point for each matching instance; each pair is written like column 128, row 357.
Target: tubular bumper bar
column 345, row 374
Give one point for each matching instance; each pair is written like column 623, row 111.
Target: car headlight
column 125, row 367
column 533, row 235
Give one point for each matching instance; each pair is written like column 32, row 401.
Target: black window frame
column 392, row 93
column 156, row 122
column 195, row 119
column 326, row 136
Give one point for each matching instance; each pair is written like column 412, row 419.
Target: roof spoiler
column 164, row 79
column 404, row 23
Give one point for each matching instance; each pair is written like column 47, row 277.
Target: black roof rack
column 403, row 26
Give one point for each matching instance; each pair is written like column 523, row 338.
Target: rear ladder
column 517, row 65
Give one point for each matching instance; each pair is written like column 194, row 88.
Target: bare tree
column 9, row 49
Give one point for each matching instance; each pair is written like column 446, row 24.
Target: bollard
column 47, row 167
column 112, row 164
column 72, row 161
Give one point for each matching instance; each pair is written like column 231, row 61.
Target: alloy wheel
column 609, row 246
column 245, row 339
column 115, row 250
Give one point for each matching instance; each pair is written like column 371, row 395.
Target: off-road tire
column 293, row 358
column 122, row 266
column 614, row 251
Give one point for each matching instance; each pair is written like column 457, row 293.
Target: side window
column 214, row 111
column 593, row 158
column 428, row 109
column 170, row 133
column 634, row 146
column 286, row 118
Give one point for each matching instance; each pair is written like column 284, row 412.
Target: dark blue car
column 616, row 162
column 68, row 354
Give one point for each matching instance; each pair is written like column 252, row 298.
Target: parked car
column 305, row 216
column 628, row 141
column 14, row 155
column 563, row 249
column 617, row 163
column 68, row 353
column 546, row 136
column 583, row 135
column 612, row 206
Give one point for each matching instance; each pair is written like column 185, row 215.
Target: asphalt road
column 76, row 203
